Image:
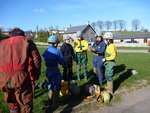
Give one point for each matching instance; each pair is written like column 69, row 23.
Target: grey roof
column 75, row 29
column 130, row 36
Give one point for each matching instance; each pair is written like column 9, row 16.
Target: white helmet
column 108, row 35
column 66, row 37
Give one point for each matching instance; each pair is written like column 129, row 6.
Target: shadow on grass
column 40, row 89
column 119, row 68
column 39, row 93
column 122, row 77
column 70, row 102
column 73, row 101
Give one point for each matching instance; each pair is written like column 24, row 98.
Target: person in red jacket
column 15, row 81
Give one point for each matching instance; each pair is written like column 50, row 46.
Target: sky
column 27, row 14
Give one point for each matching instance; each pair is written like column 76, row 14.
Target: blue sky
column 27, row 14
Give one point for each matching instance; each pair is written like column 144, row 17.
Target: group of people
column 104, row 51
column 20, row 66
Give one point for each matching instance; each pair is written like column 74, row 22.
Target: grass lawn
column 125, row 62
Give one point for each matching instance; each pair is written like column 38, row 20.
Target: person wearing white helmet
column 110, row 56
column 68, row 53
column 81, row 47
column 53, row 57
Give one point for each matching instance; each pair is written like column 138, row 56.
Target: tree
column 100, row 24
column 42, row 36
column 108, row 25
column 136, row 24
column 1, row 28
column 51, row 27
column 93, row 24
column 115, row 24
column 122, row 24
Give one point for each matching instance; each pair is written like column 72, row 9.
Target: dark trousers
column 67, row 72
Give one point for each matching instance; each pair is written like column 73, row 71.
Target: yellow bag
column 64, row 88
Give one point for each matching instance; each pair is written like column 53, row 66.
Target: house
column 56, row 31
column 129, row 39
column 87, row 32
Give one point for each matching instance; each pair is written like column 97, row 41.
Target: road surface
column 133, row 102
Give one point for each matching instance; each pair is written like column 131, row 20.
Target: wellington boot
column 110, row 87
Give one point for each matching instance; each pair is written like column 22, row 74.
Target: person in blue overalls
column 53, row 57
column 98, row 48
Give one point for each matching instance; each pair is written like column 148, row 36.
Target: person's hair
column 111, row 41
column 16, row 32
column 100, row 37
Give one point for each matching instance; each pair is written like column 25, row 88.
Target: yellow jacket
column 80, row 45
column 111, row 52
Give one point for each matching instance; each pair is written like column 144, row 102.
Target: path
column 133, row 102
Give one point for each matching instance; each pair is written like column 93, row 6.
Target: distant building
column 56, row 31
column 86, row 31
column 129, row 39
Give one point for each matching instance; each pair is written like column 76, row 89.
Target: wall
column 89, row 34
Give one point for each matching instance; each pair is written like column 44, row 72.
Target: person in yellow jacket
column 110, row 56
column 81, row 47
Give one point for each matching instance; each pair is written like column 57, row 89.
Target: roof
column 75, row 29
column 130, row 36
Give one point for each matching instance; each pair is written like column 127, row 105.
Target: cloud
column 39, row 10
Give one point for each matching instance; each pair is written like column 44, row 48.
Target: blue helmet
column 52, row 39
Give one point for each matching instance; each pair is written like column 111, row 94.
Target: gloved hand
column 93, row 49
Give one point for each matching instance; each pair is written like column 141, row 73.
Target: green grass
column 137, row 61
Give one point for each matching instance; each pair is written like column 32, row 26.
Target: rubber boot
column 110, row 87
column 55, row 102
column 48, row 105
column 98, row 93
column 13, row 107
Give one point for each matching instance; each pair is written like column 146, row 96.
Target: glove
column 93, row 50
column 103, row 59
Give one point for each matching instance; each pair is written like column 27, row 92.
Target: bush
column 42, row 36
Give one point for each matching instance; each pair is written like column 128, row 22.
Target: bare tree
column 136, row 24
column 56, row 27
column 51, row 27
column 115, row 24
column 100, row 24
column 108, row 25
column 122, row 24
column 93, row 24
column 1, row 28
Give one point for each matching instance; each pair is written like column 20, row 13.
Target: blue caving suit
column 97, row 60
column 53, row 57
